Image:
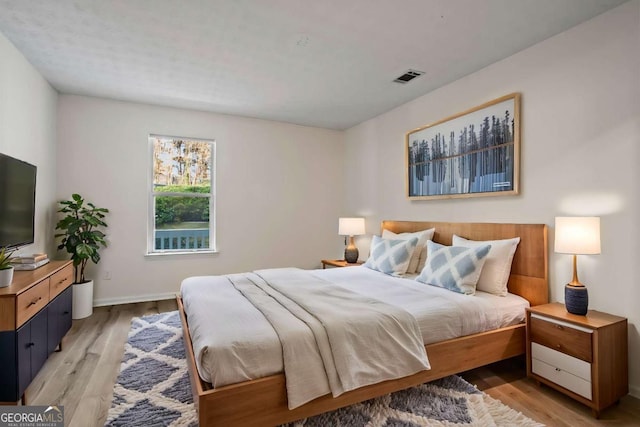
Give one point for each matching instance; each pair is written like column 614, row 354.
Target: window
column 182, row 197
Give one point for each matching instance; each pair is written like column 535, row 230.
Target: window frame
column 151, row 195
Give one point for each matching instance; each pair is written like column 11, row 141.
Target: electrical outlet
column 107, row 275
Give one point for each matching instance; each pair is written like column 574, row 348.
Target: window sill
column 180, row 253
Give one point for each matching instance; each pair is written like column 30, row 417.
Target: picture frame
column 474, row 153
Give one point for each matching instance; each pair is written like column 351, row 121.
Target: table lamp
column 351, row 227
column 577, row 236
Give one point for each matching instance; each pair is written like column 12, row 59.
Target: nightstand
column 339, row 263
column 584, row 357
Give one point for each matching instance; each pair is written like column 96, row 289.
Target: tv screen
column 17, row 201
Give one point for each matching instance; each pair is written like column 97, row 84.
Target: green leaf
column 92, row 220
column 84, row 250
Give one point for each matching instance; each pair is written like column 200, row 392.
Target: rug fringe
column 504, row 415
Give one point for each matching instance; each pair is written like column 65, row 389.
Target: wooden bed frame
column 263, row 402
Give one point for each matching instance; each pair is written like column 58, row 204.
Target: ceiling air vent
column 408, row 76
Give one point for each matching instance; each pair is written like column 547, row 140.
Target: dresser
column 35, row 313
column 584, row 357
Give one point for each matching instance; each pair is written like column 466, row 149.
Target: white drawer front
column 574, row 366
column 562, row 378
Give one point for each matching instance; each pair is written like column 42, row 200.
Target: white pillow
column 423, row 252
column 390, row 256
column 495, row 273
column 422, row 236
column 455, row 268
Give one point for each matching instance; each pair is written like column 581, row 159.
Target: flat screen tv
column 17, row 202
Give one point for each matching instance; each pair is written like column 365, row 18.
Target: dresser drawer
column 60, row 281
column 32, row 301
column 561, row 336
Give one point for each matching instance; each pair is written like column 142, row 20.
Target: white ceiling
column 326, row 63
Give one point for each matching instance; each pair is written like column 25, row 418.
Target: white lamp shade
column 577, row 235
column 350, row 226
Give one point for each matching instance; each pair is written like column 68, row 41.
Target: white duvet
column 234, row 342
column 333, row 340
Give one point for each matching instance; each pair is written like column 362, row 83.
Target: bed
column 263, row 401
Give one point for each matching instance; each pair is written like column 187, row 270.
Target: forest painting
column 474, row 153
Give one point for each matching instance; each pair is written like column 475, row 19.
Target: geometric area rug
column 153, row 389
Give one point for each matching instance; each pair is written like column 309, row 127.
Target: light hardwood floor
column 507, row 382
column 82, row 375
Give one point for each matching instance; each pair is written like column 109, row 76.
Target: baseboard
column 129, row 300
column 634, row 391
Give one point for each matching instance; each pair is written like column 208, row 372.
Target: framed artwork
column 471, row 154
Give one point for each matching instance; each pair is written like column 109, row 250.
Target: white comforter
column 233, row 342
column 333, row 340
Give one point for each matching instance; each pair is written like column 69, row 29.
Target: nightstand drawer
column 562, row 336
column 567, row 363
column 562, row 378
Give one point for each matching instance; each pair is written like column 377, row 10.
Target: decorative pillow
column 422, row 236
column 496, row 270
column 455, row 268
column 391, row 256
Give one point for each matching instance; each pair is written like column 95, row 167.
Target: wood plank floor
column 507, row 382
column 82, row 375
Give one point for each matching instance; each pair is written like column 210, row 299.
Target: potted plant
column 82, row 238
column 6, row 268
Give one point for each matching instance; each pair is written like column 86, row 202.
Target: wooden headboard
column 528, row 277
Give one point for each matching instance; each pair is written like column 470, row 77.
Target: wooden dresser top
column 23, row 280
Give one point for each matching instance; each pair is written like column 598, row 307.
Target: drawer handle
column 31, row 344
column 559, row 327
column 63, row 280
column 65, row 312
column 34, row 302
column 558, row 346
column 558, row 370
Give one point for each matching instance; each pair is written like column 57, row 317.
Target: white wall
column 580, row 154
column 28, row 132
column 278, row 191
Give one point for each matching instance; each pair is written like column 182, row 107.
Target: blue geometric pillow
column 390, row 256
column 455, row 268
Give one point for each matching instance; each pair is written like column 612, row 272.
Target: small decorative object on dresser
column 577, row 236
column 584, row 357
column 6, row 268
column 351, row 227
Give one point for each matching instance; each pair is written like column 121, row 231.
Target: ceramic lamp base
column 351, row 254
column 576, row 299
